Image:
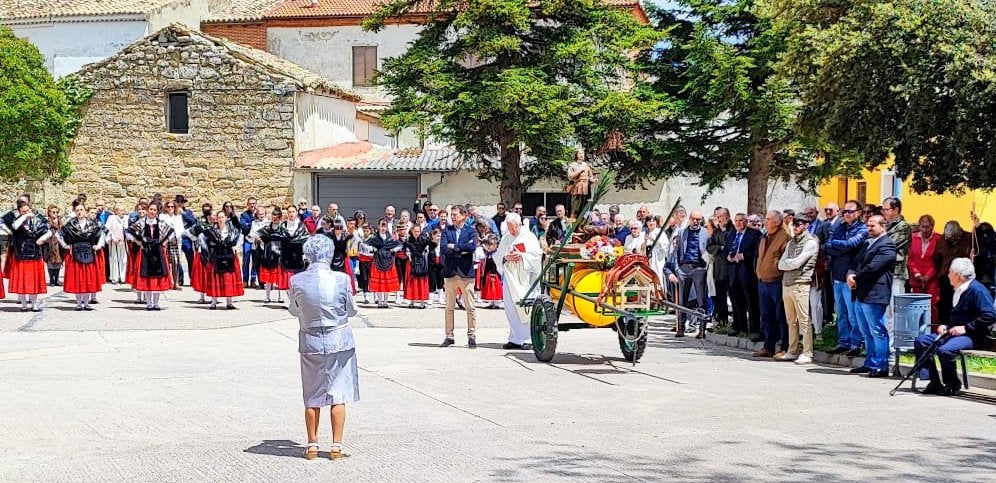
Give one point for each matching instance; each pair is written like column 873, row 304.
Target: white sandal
column 308, row 454
column 336, row 452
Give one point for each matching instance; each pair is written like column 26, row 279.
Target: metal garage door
column 368, row 193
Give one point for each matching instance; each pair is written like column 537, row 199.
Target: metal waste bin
column 912, row 311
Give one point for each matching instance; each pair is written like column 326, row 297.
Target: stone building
column 182, row 112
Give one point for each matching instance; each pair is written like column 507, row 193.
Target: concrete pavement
column 189, row 394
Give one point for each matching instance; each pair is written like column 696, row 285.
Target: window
column 364, row 65
column 862, row 192
column 177, row 115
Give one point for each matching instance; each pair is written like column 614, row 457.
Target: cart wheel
column 543, row 328
column 627, row 329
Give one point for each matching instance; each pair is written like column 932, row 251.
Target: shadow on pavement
column 280, row 447
column 934, row 459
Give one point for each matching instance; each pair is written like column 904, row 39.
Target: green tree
column 736, row 118
column 507, row 80
column 914, row 78
column 33, row 114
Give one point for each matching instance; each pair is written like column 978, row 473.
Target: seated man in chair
column 972, row 317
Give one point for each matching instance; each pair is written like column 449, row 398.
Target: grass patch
column 982, row 365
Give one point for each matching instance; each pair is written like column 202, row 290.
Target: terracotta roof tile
column 354, row 8
column 363, row 156
column 22, row 9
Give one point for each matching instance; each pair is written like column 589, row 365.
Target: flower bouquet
column 604, row 250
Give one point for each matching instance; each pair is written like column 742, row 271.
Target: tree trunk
column 757, row 177
column 510, row 189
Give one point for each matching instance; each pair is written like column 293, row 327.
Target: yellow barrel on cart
column 587, row 282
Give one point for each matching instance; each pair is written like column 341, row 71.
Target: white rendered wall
column 322, row 121
column 71, row 45
column 329, row 50
column 188, row 13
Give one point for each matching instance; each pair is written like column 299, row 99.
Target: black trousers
column 944, row 305
column 719, row 300
column 745, row 298
column 828, row 302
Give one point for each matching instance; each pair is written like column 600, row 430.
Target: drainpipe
column 428, row 191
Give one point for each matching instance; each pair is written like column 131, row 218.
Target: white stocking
column 155, row 299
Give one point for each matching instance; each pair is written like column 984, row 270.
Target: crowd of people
column 772, row 277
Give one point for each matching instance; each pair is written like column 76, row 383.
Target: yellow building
column 874, row 186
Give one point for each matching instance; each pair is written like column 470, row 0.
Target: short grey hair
column 964, row 268
column 513, row 218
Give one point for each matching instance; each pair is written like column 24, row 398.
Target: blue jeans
column 247, row 271
column 946, row 353
column 848, row 329
column 871, row 318
column 773, row 315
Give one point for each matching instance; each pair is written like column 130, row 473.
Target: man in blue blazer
column 870, row 280
column 457, row 246
column 687, row 266
column 972, row 317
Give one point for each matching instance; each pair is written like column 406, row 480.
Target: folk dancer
column 417, row 279
column 519, row 260
column 383, row 270
column 222, row 274
column 27, row 273
column 131, row 277
column 489, row 279
column 340, row 241
column 83, row 237
column 271, row 275
column 153, row 277
column 100, row 254
column 198, row 274
column 436, row 268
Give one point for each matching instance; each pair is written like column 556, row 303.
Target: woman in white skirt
column 322, row 300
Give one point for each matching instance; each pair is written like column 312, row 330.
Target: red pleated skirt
column 491, row 287
column 8, row 264
column 223, row 284
column 2, row 293
column 131, row 273
column 383, row 281
column 152, row 284
column 101, row 256
column 416, row 287
column 279, row 277
column 197, row 276
column 27, row 277
column 82, row 277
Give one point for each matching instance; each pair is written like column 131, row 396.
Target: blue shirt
column 459, row 260
column 692, row 252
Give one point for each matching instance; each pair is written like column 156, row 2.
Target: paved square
column 190, row 394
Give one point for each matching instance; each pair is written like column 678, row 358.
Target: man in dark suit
column 972, row 317
column 870, row 280
column 457, row 246
column 741, row 256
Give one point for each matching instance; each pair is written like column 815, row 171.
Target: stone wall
column 241, row 127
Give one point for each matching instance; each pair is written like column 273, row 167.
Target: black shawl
column 270, row 236
column 339, row 256
column 25, row 238
column 153, row 238
column 418, row 254
column 81, row 240
column 383, row 254
column 292, row 248
column 220, row 248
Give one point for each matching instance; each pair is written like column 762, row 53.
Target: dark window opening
column 177, row 115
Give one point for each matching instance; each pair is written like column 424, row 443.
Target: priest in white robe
column 519, row 259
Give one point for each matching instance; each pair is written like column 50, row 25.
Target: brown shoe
column 762, row 353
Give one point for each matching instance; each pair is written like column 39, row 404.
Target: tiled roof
column 242, row 11
column 363, row 156
column 305, row 79
column 329, row 8
column 356, row 8
column 21, row 9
